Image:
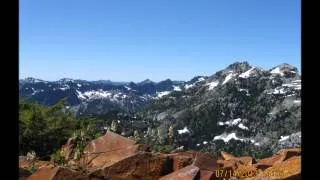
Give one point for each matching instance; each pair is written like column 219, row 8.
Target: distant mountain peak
column 167, row 80
column 283, row 69
column 146, row 81
column 66, row 80
column 32, row 80
column 239, row 66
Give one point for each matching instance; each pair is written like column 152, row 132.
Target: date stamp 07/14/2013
column 220, row 173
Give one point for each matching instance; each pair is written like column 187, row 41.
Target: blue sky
column 131, row 40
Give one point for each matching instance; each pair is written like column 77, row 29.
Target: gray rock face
column 293, row 140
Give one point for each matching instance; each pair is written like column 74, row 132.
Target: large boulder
column 56, row 173
column 190, row 172
column 281, row 156
column 205, row 161
column 236, row 162
column 182, row 159
column 207, row 175
column 110, row 142
column 143, row 165
column 286, row 170
column 289, row 169
column 109, row 149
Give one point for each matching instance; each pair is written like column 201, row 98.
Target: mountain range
column 241, row 109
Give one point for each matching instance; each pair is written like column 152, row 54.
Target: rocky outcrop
column 286, row 164
column 182, row 159
column 187, row 173
column 279, row 157
column 143, row 165
column 56, row 173
column 205, row 161
column 109, row 149
column 118, row 158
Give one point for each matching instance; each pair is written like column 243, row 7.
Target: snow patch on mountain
column 283, row 138
column 212, row 85
column 80, row 95
column 184, row 130
column 245, row 90
column 278, row 90
column 294, row 84
column 34, row 91
column 163, row 93
column 247, row 73
column 241, row 126
column 176, row 88
column 277, row 70
column 231, row 122
column 97, row 94
column 227, row 137
column 187, row 86
column 228, row 77
column 128, row 88
column 65, row 87
column 297, row 101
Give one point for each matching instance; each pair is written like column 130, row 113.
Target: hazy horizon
column 127, row 81
column 137, row 40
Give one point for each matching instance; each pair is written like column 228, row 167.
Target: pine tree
column 170, row 135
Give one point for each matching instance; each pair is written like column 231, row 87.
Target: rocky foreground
column 114, row 157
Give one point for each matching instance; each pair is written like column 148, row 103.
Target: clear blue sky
column 131, row 40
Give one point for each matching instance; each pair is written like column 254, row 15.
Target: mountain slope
column 240, row 109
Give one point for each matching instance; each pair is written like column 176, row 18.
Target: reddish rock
column 268, row 162
column 108, row 143
column 226, row 156
column 288, row 153
column 44, row 173
column 281, row 156
column 207, row 175
column 109, row 149
column 182, row 159
column 37, row 164
column 245, row 160
column 56, row 173
column 286, row 170
column 190, row 172
column 143, row 165
column 235, row 163
column 205, row 161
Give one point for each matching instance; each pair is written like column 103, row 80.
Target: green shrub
column 57, row 158
column 164, row 148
